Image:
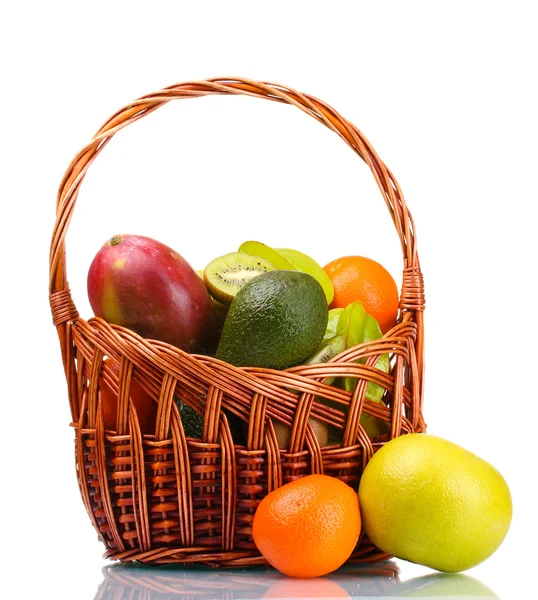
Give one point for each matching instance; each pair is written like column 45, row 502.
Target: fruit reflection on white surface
column 125, row 582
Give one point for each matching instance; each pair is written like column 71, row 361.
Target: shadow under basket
column 163, row 497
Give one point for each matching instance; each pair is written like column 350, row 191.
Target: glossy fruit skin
column 139, row 283
column 273, row 256
column 430, row 501
column 309, row 527
column 363, row 279
column 275, row 321
column 305, row 263
column 357, row 326
column 145, row 406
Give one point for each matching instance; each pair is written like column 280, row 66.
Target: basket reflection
column 129, row 582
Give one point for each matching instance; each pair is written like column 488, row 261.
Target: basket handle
column 63, row 308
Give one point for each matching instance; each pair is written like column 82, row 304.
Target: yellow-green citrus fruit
column 430, row 501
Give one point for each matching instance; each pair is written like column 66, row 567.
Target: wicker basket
column 166, row 498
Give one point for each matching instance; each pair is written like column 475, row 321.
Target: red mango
column 143, row 285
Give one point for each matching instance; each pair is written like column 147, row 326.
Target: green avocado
column 276, row 321
column 193, row 422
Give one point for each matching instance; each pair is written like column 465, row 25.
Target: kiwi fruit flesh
column 226, row 275
column 327, row 350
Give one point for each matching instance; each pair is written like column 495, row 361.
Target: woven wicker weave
column 165, row 498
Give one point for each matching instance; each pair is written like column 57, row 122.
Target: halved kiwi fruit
column 226, row 275
column 327, row 350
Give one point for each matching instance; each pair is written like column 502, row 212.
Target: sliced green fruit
column 289, row 259
column 303, row 262
column 351, row 324
column 226, row 275
column 357, row 326
column 332, row 322
column 327, row 349
column 354, row 326
column 266, row 252
column 374, row 426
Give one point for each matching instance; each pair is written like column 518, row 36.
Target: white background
column 446, row 93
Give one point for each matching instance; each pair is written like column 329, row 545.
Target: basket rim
column 411, row 294
column 65, row 315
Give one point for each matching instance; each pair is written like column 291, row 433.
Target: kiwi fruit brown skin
column 226, row 275
column 283, row 432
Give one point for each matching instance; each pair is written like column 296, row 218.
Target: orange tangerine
column 364, row 279
column 308, row 527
